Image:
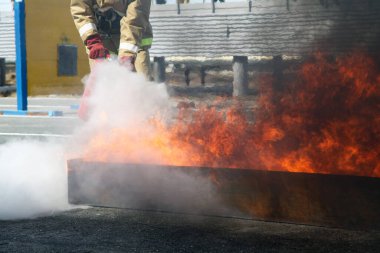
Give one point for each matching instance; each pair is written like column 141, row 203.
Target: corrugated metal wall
column 7, row 39
column 269, row 27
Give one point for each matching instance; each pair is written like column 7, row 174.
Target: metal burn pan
column 343, row 201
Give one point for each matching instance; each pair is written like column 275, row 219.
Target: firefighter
column 119, row 27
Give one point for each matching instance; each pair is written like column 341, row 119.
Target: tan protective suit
column 123, row 25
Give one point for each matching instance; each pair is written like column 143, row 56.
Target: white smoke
column 33, row 179
column 125, row 100
column 33, row 173
column 33, row 176
column 121, row 98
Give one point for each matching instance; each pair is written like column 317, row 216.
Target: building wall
column 266, row 28
column 48, row 24
column 7, row 37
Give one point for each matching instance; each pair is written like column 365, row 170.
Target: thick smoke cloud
column 33, row 176
column 32, row 179
column 122, row 99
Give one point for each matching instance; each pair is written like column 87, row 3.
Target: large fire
column 326, row 120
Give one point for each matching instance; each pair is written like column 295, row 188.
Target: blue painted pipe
column 21, row 67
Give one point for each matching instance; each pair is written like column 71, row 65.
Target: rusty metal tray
column 316, row 199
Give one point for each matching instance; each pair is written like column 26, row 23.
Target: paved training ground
column 16, row 127
column 126, row 230
column 120, row 230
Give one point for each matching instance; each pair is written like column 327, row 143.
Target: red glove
column 128, row 62
column 95, row 46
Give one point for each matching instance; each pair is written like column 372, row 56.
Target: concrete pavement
column 123, row 230
column 39, row 126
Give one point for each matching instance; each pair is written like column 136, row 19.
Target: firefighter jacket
column 127, row 18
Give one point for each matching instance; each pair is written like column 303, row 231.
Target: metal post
column 203, row 75
column 240, row 69
column 187, row 75
column 178, row 7
column 21, row 68
column 2, row 71
column 278, row 75
column 213, row 6
column 159, row 69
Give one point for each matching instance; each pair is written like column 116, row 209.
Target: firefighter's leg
column 142, row 63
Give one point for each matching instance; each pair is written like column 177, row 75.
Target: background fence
column 265, row 27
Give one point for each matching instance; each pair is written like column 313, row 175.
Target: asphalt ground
column 124, row 230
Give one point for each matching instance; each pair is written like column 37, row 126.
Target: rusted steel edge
column 342, row 201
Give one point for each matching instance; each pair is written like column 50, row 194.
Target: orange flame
column 325, row 121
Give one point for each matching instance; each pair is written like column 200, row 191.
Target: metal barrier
column 264, row 28
column 2, row 71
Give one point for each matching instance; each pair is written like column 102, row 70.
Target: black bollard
column 203, row 75
column 2, row 71
column 159, row 69
column 187, row 75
